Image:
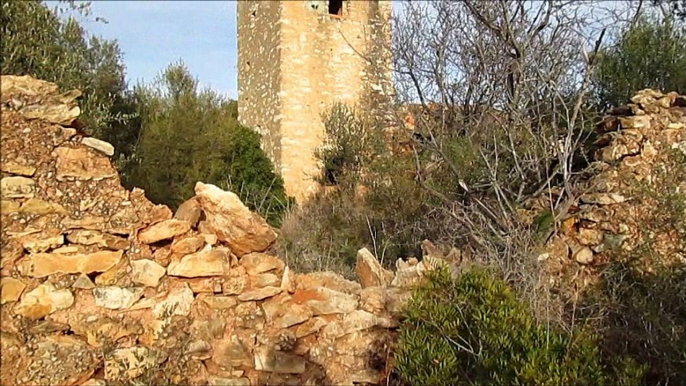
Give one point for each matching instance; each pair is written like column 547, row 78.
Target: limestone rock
column 17, row 187
column 46, row 264
column 81, row 164
column 99, row 145
column 189, row 211
column 256, row 263
column 278, row 362
column 146, row 272
column 41, row 208
column 17, row 169
column 100, row 239
column 60, row 360
column 259, row 294
column 220, row 302
column 83, row 282
column 369, row 270
column 163, row 230
column 116, row 298
column 603, row 198
column 131, row 362
column 583, row 255
column 188, row 245
column 44, row 300
column 324, row 301
column 231, row 353
column 209, row 263
column 232, row 222
column 39, row 244
column 177, row 302
column 10, row 289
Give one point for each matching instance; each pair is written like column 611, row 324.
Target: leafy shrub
column 190, row 135
column 374, row 202
column 474, row 331
column 649, row 54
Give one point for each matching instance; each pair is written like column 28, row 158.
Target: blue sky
column 153, row 34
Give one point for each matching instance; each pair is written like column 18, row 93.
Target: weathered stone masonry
column 295, row 60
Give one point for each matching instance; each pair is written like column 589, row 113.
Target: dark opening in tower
column 336, row 7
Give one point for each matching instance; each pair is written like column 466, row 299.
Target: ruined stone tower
column 297, row 58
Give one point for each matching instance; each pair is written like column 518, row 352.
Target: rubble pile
column 101, row 286
column 614, row 214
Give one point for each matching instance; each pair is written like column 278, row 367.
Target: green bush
column 474, row 331
column 189, row 136
column 649, row 54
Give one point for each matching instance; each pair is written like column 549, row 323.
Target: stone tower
column 295, row 60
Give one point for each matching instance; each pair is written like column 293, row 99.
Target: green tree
column 191, row 135
column 649, row 54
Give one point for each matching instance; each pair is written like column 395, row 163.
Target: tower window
column 336, row 7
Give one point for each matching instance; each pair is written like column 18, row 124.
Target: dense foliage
column 648, row 54
column 191, row 135
column 473, row 331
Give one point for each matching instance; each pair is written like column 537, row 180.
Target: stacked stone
column 634, row 142
column 101, row 286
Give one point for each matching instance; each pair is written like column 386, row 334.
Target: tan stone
column 292, row 314
column 177, row 302
column 41, row 208
column 38, row 243
column 16, row 187
column 373, row 299
column 189, row 211
column 116, row 298
column 220, row 302
column 83, row 282
column 583, row 255
column 187, row 245
column 163, row 230
column 46, row 264
column 10, row 289
column 18, row 169
column 100, row 239
column 60, row 360
column 81, row 164
column 369, row 270
column 310, row 327
column 266, row 279
column 256, row 263
column 210, row 263
column 146, row 272
column 588, row 236
column 99, row 145
column 231, row 353
column 114, row 274
column 603, row 198
column 278, row 362
column 232, row 222
column 259, row 294
column 131, row 362
column 323, row 301
column 221, row 381
column 329, row 280
column 43, row 300
column 9, row 206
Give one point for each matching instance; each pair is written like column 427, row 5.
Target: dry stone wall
column 99, row 286
column 615, row 215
